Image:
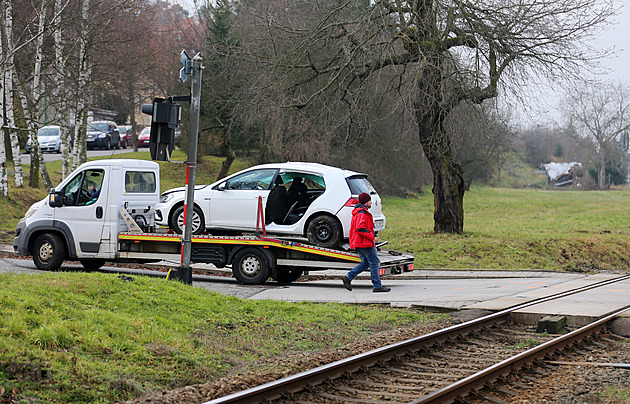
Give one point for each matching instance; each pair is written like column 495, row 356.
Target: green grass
column 99, row 338
column 507, row 228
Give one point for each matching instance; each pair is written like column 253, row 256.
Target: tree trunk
column 60, row 84
column 4, row 176
column 9, row 95
column 85, row 71
column 448, row 177
column 38, row 166
column 448, row 183
column 601, row 178
column 229, row 155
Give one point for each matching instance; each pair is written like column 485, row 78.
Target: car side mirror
column 221, row 186
column 55, row 198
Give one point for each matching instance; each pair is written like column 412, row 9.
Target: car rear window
column 358, row 184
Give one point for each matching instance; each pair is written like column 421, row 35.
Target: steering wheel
column 84, row 196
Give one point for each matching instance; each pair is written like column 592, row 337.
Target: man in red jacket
column 362, row 239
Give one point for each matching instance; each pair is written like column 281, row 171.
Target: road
column 26, row 158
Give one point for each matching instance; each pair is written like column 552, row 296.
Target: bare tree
column 598, row 114
column 436, row 54
column 8, row 67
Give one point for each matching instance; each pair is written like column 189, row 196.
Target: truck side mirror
column 55, row 198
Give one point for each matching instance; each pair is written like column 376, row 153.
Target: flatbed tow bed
column 253, row 258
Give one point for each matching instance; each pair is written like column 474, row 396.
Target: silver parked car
column 49, row 138
column 300, row 199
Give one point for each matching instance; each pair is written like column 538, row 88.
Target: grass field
column 99, row 338
column 506, row 228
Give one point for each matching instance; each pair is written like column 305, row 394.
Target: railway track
column 439, row 367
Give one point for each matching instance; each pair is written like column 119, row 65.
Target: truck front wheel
column 48, row 252
column 250, row 267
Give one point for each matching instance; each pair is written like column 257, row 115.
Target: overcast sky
column 543, row 104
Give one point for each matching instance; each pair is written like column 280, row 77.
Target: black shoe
column 346, row 282
column 381, row 289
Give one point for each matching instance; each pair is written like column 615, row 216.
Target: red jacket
column 361, row 228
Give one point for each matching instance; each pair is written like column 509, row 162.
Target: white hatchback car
column 307, row 199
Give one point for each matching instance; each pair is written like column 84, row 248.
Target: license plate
column 378, row 224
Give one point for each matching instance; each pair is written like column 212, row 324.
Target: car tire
column 176, row 223
column 108, row 145
column 324, row 231
column 49, row 252
column 92, row 264
column 250, row 267
column 288, row 275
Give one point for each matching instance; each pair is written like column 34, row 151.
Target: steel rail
column 291, row 384
column 478, row 380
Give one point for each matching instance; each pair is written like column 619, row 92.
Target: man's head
column 364, row 198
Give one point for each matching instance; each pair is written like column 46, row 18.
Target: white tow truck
column 104, row 211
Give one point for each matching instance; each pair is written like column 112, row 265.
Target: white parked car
column 49, row 138
column 306, row 199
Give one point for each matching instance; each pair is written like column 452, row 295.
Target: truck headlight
column 31, row 211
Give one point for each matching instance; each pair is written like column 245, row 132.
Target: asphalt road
column 26, row 158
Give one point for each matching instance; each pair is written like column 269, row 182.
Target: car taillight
column 352, row 201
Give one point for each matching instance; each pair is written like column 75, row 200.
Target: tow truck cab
column 82, row 214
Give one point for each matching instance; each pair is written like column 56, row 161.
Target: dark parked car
column 103, row 134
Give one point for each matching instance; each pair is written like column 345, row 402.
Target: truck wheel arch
column 58, row 228
column 271, row 257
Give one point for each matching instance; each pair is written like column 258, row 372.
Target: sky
column 543, row 106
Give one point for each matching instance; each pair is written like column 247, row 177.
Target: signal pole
column 191, row 68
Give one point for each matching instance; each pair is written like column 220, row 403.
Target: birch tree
column 60, row 85
column 434, row 54
column 4, row 183
column 8, row 69
column 79, row 153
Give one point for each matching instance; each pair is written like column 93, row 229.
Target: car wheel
column 92, row 264
column 177, row 221
column 108, row 146
column 324, row 231
column 288, row 274
column 250, row 267
column 48, row 252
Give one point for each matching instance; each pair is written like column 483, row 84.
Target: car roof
column 310, row 167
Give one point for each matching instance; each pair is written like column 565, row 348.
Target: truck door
column 84, row 209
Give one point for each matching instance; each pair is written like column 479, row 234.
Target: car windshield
column 146, row 131
column 359, row 184
column 48, row 132
column 98, row 127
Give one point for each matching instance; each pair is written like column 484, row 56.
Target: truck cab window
column 84, row 189
column 139, row 182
